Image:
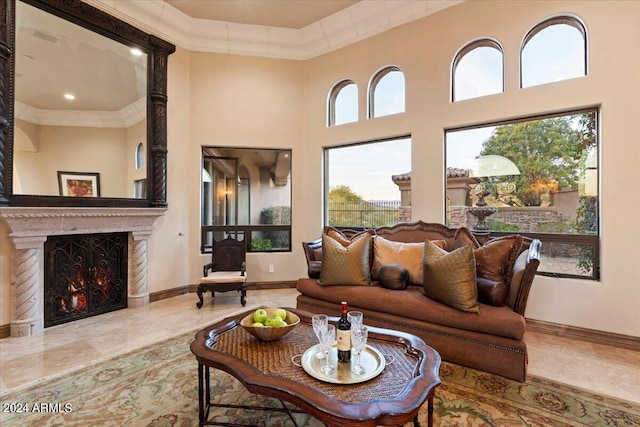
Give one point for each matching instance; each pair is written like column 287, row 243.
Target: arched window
column 386, row 92
column 343, row 103
column 139, row 156
column 477, row 70
column 554, row 50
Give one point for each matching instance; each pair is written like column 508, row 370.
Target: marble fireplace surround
column 28, row 230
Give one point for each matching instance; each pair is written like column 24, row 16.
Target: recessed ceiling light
column 69, row 96
column 136, row 52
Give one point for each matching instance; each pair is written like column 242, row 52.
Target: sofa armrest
column 530, row 269
column 310, row 250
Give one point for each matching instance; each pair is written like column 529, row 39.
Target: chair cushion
column 345, row 265
column 223, row 277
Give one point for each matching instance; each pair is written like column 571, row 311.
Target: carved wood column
column 26, row 306
column 138, row 291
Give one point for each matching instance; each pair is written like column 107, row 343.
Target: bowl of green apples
column 269, row 324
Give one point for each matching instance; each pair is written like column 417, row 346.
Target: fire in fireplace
column 85, row 275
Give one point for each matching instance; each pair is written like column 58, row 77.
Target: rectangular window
column 246, row 193
column 538, row 177
column 368, row 184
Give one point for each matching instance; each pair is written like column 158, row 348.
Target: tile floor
column 27, row 360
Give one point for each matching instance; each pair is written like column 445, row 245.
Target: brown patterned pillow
column 464, row 237
column 450, row 277
column 345, row 265
column 496, row 258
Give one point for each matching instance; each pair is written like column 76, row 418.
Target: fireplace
column 31, row 228
column 85, row 275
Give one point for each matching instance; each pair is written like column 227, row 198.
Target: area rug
column 156, row 386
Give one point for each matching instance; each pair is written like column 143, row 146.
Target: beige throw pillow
column 450, row 277
column 345, row 265
column 407, row 254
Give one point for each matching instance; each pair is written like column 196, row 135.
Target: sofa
column 413, row 277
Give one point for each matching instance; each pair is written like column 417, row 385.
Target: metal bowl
column 270, row 333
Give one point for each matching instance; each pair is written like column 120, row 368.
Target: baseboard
column 190, row 289
column 590, row 335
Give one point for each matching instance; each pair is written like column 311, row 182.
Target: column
column 26, row 313
column 138, row 292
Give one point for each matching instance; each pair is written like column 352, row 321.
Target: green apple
column 281, row 313
column 277, row 321
column 257, row 325
column 260, row 316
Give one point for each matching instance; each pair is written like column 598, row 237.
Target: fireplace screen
column 85, row 275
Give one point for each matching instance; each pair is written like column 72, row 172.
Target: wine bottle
column 344, row 336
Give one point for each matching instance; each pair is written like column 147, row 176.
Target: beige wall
column 73, row 149
column 217, row 99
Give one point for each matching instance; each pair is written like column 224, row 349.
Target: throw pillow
column 496, row 258
column 492, row 292
column 393, row 276
column 450, row 277
column 345, row 265
column 342, row 238
column 407, row 254
column 464, row 237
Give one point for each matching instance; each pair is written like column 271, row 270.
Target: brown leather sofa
column 491, row 340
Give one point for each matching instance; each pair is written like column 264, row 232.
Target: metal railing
column 364, row 214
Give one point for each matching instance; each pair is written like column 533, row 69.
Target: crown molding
column 358, row 22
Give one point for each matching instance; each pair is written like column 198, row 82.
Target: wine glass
column 355, row 318
column 320, row 322
column 358, row 341
column 328, row 337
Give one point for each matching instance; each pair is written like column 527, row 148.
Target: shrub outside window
column 537, row 176
column 246, row 191
column 368, row 184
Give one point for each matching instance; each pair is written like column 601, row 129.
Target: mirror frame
column 89, row 17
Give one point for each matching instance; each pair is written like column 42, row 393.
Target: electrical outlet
column 271, row 268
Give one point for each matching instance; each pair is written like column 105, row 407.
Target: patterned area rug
column 157, row 386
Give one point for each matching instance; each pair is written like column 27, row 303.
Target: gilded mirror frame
column 89, row 17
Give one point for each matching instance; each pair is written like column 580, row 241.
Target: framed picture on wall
column 79, row 184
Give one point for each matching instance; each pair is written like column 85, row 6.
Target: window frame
column 570, row 20
column 331, row 101
column 593, row 240
column 469, row 47
column 373, row 84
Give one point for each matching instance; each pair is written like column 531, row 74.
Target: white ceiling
column 294, row 14
column 246, row 33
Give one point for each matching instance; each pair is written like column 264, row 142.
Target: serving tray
column 371, row 359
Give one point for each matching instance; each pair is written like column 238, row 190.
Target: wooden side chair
column 226, row 271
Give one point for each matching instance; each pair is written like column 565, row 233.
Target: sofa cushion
column 450, row 277
column 345, row 265
column 464, row 237
column 393, row 276
column 342, row 238
column 496, row 258
column 492, row 292
column 412, row 303
column 407, row 254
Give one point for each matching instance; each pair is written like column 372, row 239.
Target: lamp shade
column 493, row 165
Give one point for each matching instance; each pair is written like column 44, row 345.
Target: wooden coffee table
column 392, row 398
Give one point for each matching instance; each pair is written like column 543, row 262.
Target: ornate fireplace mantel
column 28, row 230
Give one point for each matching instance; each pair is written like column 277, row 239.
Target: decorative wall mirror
column 83, row 151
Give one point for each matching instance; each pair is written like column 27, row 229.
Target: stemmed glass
column 358, row 341
column 327, row 338
column 355, row 318
column 320, row 322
